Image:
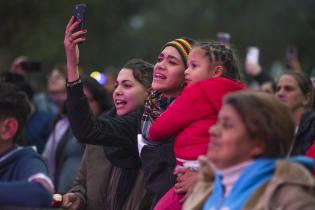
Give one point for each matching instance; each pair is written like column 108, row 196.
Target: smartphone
column 79, row 11
column 252, row 56
column 291, row 53
column 31, row 66
column 224, row 38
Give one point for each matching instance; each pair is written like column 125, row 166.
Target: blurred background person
column 253, row 69
column 292, row 61
column 37, row 127
column 53, row 98
column 24, row 180
column 295, row 90
column 264, row 81
column 63, row 152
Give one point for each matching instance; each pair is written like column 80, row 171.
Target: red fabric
column 191, row 115
column 311, row 153
column 169, row 201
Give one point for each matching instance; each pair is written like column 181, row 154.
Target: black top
column 305, row 134
column 120, row 138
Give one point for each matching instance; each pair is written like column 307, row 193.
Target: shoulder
column 291, row 196
column 294, row 173
column 291, row 187
column 308, row 119
column 29, row 161
column 221, row 83
column 193, row 90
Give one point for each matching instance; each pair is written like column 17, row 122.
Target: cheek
column 177, row 78
column 136, row 98
column 177, row 72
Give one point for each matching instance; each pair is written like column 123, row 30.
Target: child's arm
column 190, row 106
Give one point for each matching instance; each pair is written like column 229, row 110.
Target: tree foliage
column 120, row 30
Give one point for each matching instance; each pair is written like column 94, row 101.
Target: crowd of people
column 183, row 133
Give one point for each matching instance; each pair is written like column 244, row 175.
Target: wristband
column 73, row 83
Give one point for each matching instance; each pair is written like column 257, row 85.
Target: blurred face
column 230, row 143
column 267, row 88
column 129, row 94
column 56, row 81
column 199, row 67
column 168, row 74
column 289, row 92
column 94, row 106
column 56, row 86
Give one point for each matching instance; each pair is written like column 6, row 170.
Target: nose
column 187, row 71
column 214, row 130
column 118, row 91
column 160, row 65
column 279, row 92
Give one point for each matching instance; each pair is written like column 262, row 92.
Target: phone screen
column 224, row 38
column 252, row 56
column 31, row 66
column 79, row 13
column 291, row 53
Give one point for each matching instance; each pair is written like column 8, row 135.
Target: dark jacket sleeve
column 110, row 131
column 23, row 193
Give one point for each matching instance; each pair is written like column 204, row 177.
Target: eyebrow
column 169, row 56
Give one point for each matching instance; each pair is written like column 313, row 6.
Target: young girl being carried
column 212, row 72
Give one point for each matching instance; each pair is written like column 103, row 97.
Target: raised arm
column 71, row 41
column 112, row 131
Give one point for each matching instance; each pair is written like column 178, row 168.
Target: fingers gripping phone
column 79, row 13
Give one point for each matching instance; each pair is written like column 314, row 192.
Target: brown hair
column 219, row 54
column 266, row 120
column 141, row 70
column 304, row 83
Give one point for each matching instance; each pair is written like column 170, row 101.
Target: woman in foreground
column 245, row 167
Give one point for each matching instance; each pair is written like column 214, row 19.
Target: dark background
column 120, row 30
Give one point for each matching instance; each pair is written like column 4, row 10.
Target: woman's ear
column 258, row 148
column 218, row 71
column 307, row 99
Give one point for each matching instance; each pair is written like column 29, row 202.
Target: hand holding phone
column 224, row 38
column 252, row 66
column 252, row 56
column 79, row 11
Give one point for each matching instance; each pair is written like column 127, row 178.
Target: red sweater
column 191, row 115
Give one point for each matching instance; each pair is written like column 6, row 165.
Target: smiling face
column 129, row 94
column 56, row 82
column 289, row 92
column 168, row 73
column 230, row 142
column 199, row 67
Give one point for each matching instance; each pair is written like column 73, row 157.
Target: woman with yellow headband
column 212, row 72
column 157, row 159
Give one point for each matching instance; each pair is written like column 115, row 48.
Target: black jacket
column 305, row 134
column 117, row 134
